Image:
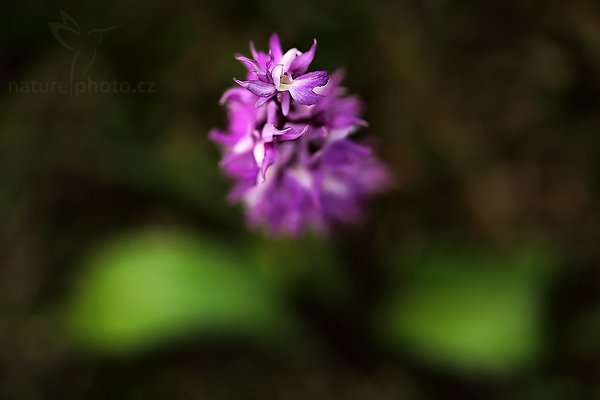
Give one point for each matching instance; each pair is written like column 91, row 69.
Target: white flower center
column 285, row 83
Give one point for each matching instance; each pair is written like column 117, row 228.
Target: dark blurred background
column 125, row 274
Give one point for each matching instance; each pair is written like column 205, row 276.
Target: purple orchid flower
column 288, row 148
column 284, row 75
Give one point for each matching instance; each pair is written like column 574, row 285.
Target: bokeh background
column 125, row 274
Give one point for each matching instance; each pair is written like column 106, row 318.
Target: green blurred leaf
column 471, row 310
column 152, row 288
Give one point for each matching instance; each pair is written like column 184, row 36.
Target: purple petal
column 242, row 117
column 233, row 94
column 305, row 96
column 252, row 66
column 223, row 138
column 301, row 63
column 270, row 158
column 243, row 145
column 261, row 101
column 269, row 132
column 289, row 57
column 272, row 113
column 275, row 47
column 315, row 78
column 240, row 189
column 258, row 88
column 239, row 165
column 276, row 74
column 259, row 153
column 261, row 59
column 302, row 87
column 270, row 65
column 291, row 133
column 265, row 155
column 284, row 98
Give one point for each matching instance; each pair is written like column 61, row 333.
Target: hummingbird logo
column 84, row 45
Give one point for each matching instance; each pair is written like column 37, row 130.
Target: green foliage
column 471, row 310
column 147, row 289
